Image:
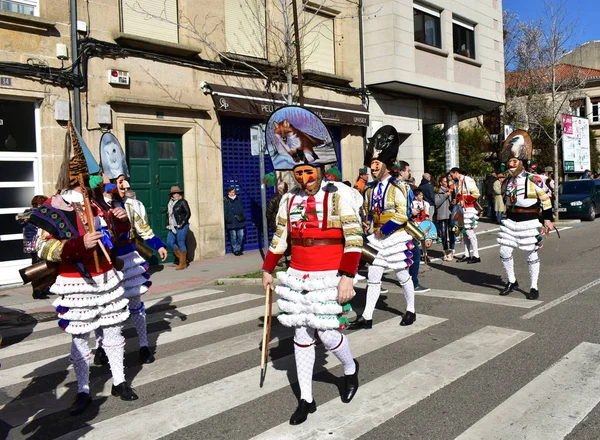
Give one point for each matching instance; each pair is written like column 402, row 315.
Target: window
column 245, row 27
column 155, row 19
column 595, row 110
column 427, row 25
column 464, row 38
column 318, row 42
column 27, row 7
column 577, row 108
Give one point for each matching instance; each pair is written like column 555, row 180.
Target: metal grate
column 240, row 168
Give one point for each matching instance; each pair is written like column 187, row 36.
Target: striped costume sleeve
column 49, row 248
column 142, row 228
column 279, row 242
column 353, row 238
column 543, row 194
column 401, row 211
column 472, row 188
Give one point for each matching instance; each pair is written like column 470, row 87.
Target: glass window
column 16, row 171
column 577, row 108
column 16, row 197
column 138, row 149
column 27, row 7
column 155, row 19
column 17, row 127
column 318, row 47
column 427, row 26
column 596, row 111
column 464, row 39
column 166, row 150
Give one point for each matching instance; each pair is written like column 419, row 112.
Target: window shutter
column 156, row 19
column 245, row 27
column 595, row 100
column 318, row 44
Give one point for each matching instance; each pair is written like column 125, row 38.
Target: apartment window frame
column 33, row 5
column 463, row 35
column 577, row 107
column 324, row 15
column 595, row 115
column 129, row 23
column 241, row 43
column 424, row 15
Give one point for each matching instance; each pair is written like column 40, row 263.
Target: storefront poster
column 576, row 144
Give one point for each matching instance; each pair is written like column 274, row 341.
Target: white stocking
column 80, row 358
column 409, row 289
column 474, row 248
column 506, row 256
column 533, row 260
column 304, row 353
column 374, row 276
column 114, row 345
column 467, row 244
column 138, row 314
column 336, row 342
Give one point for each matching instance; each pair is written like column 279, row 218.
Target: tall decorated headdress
column 112, row 157
column 383, row 146
column 77, row 161
column 296, row 136
column 517, row 144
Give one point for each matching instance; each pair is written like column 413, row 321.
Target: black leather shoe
column 533, row 294
column 124, row 391
column 474, row 260
column 302, row 412
column 100, row 358
column 146, row 356
column 463, row 259
column 509, row 288
column 350, row 385
column 81, row 402
column 360, row 323
column 408, row 318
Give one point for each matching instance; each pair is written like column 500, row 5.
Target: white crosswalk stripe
column 557, row 400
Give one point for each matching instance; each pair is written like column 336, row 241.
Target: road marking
column 166, row 416
column 387, row 396
column 54, row 323
column 24, row 373
column 483, row 298
column 560, row 299
column 65, row 338
column 549, row 406
column 59, row 399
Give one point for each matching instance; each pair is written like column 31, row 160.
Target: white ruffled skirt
column 470, row 218
column 309, row 299
column 527, row 235
column 394, row 252
column 136, row 278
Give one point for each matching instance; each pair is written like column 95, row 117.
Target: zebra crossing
column 550, row 406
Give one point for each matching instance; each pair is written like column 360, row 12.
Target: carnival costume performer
column 524, row 194
column 89, row 295
column 387, row 205
column 467, row 195
column 322, row 223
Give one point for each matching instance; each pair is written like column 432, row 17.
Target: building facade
column 184, row 85
column 434, row 62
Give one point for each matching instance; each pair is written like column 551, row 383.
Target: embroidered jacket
column 139, row 223
column 525, row 190
column 391, row 207
column 337, row 216
column 467, row 190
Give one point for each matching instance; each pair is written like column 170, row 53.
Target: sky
column 586, row 12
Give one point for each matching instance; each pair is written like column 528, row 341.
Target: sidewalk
column 166, row 279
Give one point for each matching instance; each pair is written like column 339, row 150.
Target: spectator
column 587, row 174
column 419, row 207
column 178, row 224
column 235, row 220
column 498, row 199
column 428, row 193
column 442, row 212
column 29, row 238
column 488, row 194
column 363, row 179
column 273, row 205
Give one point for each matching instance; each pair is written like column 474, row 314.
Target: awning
column 259, row 104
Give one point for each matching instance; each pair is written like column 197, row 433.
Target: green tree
column 434, row 145
column 473, row 146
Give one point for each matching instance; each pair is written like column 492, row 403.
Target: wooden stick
column 90, row 218
column 266, row 334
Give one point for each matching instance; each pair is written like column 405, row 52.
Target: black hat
column 383, row 146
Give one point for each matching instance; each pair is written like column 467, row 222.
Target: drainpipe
column 363, row 91
column 75, row 62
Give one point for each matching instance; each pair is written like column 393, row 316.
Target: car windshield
column 577, row 187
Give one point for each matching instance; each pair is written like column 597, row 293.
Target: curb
column 242, row 281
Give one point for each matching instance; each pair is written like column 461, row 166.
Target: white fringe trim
column 389, row 242
column 88, row 300
column 321, row 322
column 135, row 291
column 313, row 296
column 113, row 318
column 295, row 280
column 102, row 283
column 79, row 314
column 394, row 265
column 120, row 304
column 320, row 308
column 133, row 282
column 514, row 244
column 519, row 240
column 132, row 259
column 133, row 272
column 81, row 327
column 511, row 225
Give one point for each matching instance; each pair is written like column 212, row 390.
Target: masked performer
column 89, row 296
column 321, row 221
column 387, row 207
column 525, row 194
column 467, row 195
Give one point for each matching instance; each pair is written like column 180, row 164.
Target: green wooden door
column 155, row 164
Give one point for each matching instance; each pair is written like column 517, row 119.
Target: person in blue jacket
column 235, row 219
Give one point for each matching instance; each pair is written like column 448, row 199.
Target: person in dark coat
column 178, row 224
column 235, row 219
column 489, row 195
column 428, row 193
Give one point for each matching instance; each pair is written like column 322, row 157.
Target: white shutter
column 318, row 45
column 245, row 27
column 156, row 19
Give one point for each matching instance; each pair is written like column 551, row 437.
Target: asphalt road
column 474, row 365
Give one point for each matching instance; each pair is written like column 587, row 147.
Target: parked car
column 579, row 199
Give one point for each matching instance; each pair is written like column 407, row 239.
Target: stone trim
column 27, row 21
column 431, row 49
column 467, row 60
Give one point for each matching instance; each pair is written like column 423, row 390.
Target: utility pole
column 298, row 60
column 75, row 64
